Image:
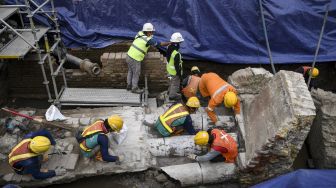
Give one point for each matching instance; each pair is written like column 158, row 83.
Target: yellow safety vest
column 97, row 127
column 21, row 152
column 139, row 47
column 170, row 66
column 175, row 112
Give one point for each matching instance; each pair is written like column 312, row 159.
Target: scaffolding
column 26, row 39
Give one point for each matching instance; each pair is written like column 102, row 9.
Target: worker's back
column 209, row 84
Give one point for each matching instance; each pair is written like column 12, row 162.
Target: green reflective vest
column 138, row 49
column 170, row 66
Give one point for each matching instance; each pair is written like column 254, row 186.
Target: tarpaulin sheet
column 302, row 179
column 224, row 31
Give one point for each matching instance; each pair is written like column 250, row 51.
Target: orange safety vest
column 20, row 152
column 224, row 142
column 97, row 127
column 175, row 112
column 191, row 89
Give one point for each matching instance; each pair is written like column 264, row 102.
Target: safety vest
column 97, row 128
column 170, row 66
column 139, row 47
column 20, row 152
column 191, row 89
column 222, row 142
column 175, row 112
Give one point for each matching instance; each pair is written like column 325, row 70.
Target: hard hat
column 193, row 102
column 314, row 72
column 195, row 68
column 201, row 138
column 148, row 27
column 40, row 144
column 176, row 37
column 115, row 122
column 230, row 99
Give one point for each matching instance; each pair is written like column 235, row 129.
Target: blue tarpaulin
column 302, row 179
column 224, row 31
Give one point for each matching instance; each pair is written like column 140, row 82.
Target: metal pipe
column 59, row 67
column 85, row 65
column 50, row 65
column 13, row 6
column 319, row 42
column 17, row 33
column 3, row 29
column 266, row 37
column 44, row 12
column 38, row 8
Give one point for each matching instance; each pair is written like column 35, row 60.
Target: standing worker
column 222, row 146
column 177, row 118
column 174, row 66
column 93, row 140
column 136, row 54
column 306, row 71
column 26, row 157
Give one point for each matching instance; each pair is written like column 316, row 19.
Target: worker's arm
column 177, row 61
column 207, row 157
column 188, row 126
column 103, row 142
column 32, row 166
column 42, row 132
column 236, row 108
column 213, row 102
column 157, row 44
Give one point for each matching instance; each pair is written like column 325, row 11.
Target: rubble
column 322, row 137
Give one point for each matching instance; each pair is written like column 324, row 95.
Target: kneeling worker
column 222, row 146
column 26, row 157
column 94, row 140
column 177, row 118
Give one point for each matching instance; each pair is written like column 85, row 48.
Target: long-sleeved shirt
column 104, row 145
column 33, row 165
column 208, row 156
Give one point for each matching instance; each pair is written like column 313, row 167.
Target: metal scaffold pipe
column 85, row 65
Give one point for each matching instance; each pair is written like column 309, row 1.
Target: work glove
column 119, row 160
column 192, row 156
column 60, row 171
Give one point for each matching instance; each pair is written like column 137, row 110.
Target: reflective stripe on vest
column 97, row 127
column 138, row 49
column 21, row 152
column 170, row 66
column 224, row 140
column 191, row 89
column 175, row 112
column 219, row 90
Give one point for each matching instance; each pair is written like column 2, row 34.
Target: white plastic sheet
column 120, row 137
column 53, row 113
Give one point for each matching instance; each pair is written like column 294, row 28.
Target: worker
column 174, row 66
column 306, row 71
column 195, row 71
column 190, row 86
column 26, row 157
column 222, row 146
column 136, row 54
column 94, row 141
column 219, row 91
column 177, row 118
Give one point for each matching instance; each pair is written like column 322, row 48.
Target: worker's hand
column 120, row 159
column 60, row 171
column 45, row 157
column 192, row 156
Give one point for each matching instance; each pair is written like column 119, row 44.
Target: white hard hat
column 176, row 37
column 148, row 27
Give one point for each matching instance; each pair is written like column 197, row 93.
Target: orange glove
column 211, row 114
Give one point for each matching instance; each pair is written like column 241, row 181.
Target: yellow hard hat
column 314, row 72
column 230, row 99
column 193, row 102
column 115, row 122
column 40, row 144
column 201, row 138
column 195, row 68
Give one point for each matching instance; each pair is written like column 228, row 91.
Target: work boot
column 137, row 90
column 129, row 87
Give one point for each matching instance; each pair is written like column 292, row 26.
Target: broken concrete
column 322, row 137
column 277, row 123
column 201, row 173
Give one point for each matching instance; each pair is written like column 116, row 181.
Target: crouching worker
column 177, row 118
column 26, row 157
column 94, row 141
column 222, row 146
